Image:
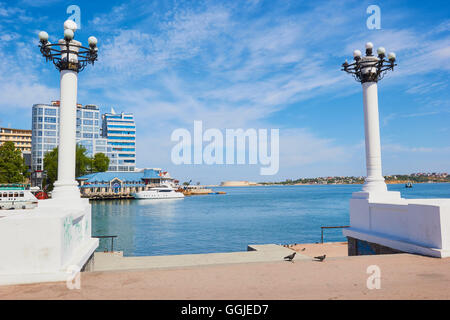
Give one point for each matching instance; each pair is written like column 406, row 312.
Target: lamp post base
column 378, row 196
column 419, row 226
column 46, row 243
column 66, row 190
column 374, row 184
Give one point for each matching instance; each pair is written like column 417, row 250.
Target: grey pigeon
column 321, row 258
column 290, row 257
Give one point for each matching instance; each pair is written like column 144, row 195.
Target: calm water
column 224, row 223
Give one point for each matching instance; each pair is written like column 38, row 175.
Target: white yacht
column 162, row 192
column 16, row 197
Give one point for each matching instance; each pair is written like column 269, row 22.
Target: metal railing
column 330, row 227
column 112, row 241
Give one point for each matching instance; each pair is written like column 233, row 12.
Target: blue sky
column 246, row 64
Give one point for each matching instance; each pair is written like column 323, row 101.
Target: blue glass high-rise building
column 120, row 131
column 44, row 134
column 88, row 130
column 45, row 131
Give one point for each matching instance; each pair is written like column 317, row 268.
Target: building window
column 50, row 119
column 50, row 126
column 50, row 112
column 88, row 114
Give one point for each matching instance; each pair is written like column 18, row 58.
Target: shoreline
column 320, row 184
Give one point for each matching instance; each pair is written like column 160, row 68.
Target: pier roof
column 123, row 176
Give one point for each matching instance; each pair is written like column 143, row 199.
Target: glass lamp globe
column 68, row 34
column 356, row 54
column 70, row 24
column 43, row 36
column 381, row 51
column 92, row 41
column 392, row 56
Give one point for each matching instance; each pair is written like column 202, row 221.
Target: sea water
column 230, row 222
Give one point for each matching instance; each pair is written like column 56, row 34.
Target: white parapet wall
column 46, row 243
column 420, row 226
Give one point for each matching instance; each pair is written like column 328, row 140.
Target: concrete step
column 104, row 261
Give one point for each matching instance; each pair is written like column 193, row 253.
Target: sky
column 246, row 64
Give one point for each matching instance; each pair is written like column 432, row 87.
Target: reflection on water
column 223, row 223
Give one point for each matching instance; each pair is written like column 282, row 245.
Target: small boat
column 162, row 192
column 15, row 196
column 196, row 190
column 408, row 185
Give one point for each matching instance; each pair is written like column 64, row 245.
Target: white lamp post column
column 66, row 185
column 369, row 70
column 374, row 180
column 69, row 59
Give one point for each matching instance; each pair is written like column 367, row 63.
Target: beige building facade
column 20, row 137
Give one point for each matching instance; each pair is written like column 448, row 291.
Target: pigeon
column 290, row 257
column 321, row 258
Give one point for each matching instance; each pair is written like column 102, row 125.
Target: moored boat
column 162, row 192
column 15, row 196
column 196, row 190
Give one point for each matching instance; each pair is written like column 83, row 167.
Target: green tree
column 82, row 161
column 100, row 162
column 51, row 165
column 12, row 164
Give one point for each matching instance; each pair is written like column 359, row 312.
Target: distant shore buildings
column 392, row 179
column 237, row 184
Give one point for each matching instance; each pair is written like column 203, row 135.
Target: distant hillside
column 399, row 178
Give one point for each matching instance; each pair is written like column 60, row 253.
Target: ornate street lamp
column 369, row 70
column 69, row 57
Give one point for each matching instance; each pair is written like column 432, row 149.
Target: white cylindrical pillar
column 374, row 181
column 66, row 185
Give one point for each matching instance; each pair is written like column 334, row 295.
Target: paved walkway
column 331, row 249
column 403, row 276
